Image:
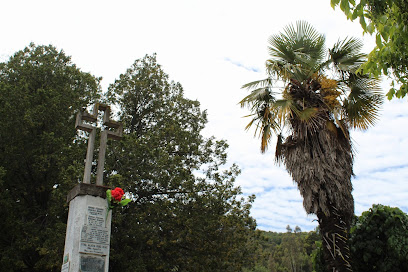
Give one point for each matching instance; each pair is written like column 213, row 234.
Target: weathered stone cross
column 105, row 134
column 87, row 240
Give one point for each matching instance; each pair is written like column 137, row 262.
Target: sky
column 212, row 48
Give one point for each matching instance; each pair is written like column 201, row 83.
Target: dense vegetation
column 378, row 242
column 185, row 221
column 279, row 252
column 386, row 19
column 40, row 91
column 187, row 214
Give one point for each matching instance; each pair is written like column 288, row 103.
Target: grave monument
column 87, row 239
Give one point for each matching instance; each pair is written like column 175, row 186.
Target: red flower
column 117, row 193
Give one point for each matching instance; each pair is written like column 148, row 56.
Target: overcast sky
column 212, row 48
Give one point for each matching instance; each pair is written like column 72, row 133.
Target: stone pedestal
column 87, row 239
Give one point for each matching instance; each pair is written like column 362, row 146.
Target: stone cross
column 105, row 134
column 87, row 240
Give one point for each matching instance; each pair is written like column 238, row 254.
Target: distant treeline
column 378, row 242
column 290, row 251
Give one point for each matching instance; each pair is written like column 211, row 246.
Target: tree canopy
column 283, row 252
column 40, row 92
column 386, row 19
column 379, row 240
column 186, row 214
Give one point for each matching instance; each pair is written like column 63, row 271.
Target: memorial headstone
column 87, row 239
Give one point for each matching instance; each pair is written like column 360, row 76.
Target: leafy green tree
column 386, row 19
column 291, row 254
column 318, row 258
column 40, row 92
column 283, row 251
column 257, row 268
column 263, row 244
column 186, row 215
column 297, row 229
column 312, row 119
column 379, row 240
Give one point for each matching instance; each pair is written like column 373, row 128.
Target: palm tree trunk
column 334, row 230
column 321, row 165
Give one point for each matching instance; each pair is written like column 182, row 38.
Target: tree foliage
column 186, row 213
column 379, row 240
column 386, row 19
column 284, row 252
column 40, row 92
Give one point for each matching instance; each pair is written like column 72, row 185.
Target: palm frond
column 258, row 83
column 346, row 55
column 249, row 125
column 266, row 126
column 278, row 69
column 266, row 136
column 363, row 104
column 297, row 52
column 307, row 114
column 284, row 109
column 310, row 100
column 259, row 102
column 257, row 98
column 299, row 38
column 287, row 71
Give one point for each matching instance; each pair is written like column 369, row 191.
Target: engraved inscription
column 92, row 264
column 96, row 216
column 96, row 211
column 96, row 221
column 93, row 248
column 95, row 234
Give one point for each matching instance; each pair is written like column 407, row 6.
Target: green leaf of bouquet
column 124, row 202
column 108, row 195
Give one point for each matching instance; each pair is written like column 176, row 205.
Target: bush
column 379, row 240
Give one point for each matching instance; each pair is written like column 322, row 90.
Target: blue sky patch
column 241, row 65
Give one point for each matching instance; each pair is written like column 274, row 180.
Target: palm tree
column 322, row 96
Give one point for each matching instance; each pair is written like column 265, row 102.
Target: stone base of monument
column 88, row 230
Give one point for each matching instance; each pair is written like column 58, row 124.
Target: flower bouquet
column 116, row 197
